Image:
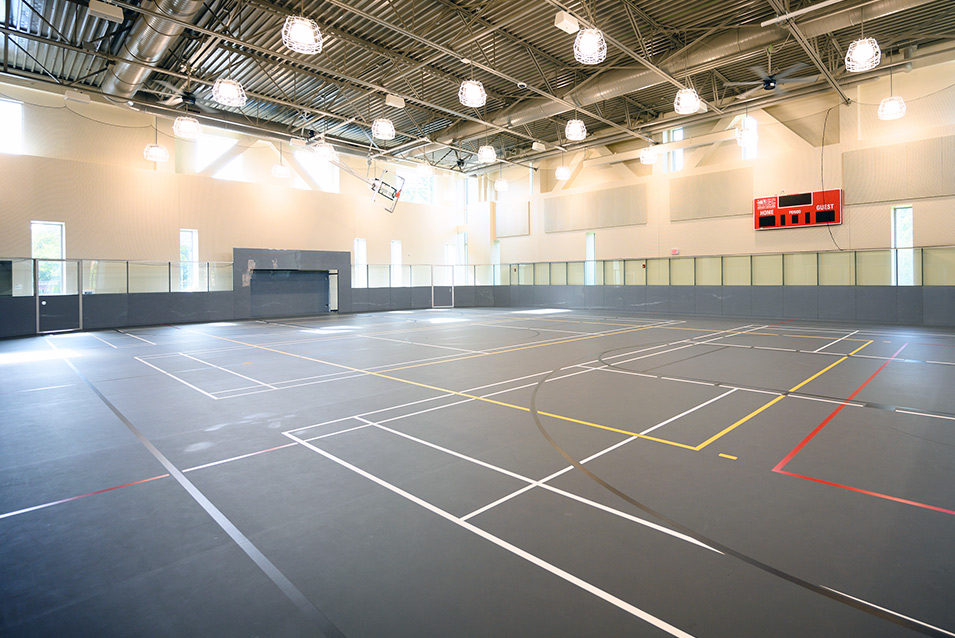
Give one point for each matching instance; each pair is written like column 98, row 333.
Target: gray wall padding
column 623, row 206
column 913, row 170
column 722, row 194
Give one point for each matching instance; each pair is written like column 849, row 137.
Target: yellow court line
column 727, row 456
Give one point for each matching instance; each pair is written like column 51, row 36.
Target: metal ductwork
column 697, row 57
column 148, row 40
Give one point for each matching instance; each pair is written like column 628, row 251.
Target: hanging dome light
column 281, row 171
column 575, row 130
column 156, row 153
column 228, row 93
column 325, row 151
column 425, row 170
column 590, row 46
column 562, row 173
column 187, row 128
column 487, row 155
column 891, row 108
column 500, row 185
column 648, row 155
column 302, row 34
column 687, row 101
column 383, row 129
column 472, row 94
column 746, row 133
column 863, row 54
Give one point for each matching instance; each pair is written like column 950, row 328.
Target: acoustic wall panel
column 918, row 169
column 722, row 194
column 623, row 206
column 512, row 219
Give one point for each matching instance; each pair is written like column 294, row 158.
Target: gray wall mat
column 17, row 316
column 682, row 300
column 614, row 297
column 767, row 301
column 400, row 299
column 421, row 297
column 149, row 308
column 288, row 292
column 708, row 300
column 837, row 302
column 737, row 301
column 245, row 260
column 938, row 305
column 801, row 302
column 107, row 311
column 878, row 304
column 910, row 305
column 658, row 299
column 463, row 297
column 483, row 296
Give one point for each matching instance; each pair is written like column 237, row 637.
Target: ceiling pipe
column 147, row 42
column 695, row 58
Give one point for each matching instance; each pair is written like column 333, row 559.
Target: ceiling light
column 472, row 94
column 487, row 155
column 187, row 128
column 575, row 130
column 746, row 133
column 156, row 153
column 891, row 108
column 590, row 46
column 383, row 129
column 562, row 173
column 863, row 54
column 302, row 34
column 281, row 171
column 325, row 152
column 500, row 185
column 538, row 146
column 395, row 100
column 228, row 93
column 648, row 155
column 687, row 101
column 566, row 22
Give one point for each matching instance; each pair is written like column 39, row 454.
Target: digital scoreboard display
column 819, row 208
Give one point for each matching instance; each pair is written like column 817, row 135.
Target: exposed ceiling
column 417, row 49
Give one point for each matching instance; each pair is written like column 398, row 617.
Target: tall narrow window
column 674, row 158
column 590, row 265
column 396, row 263
column 496, row 261
column 48, row 241
column 360, row 280
column 749, row 137
column 11, row 127
column 903, row 257
column 188, row 258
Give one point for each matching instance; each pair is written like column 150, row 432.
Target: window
column 395, row 263
column 48, row 242
column 750, row 138
column 188, row 256
column 359, row 254
column 590, row 265
column 11, row 127
column 210, row 148
column 496, row 261
column 674, row 158
column 418, row 189
column 324, row 174
column 903, row 257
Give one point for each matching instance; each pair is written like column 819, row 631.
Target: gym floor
column 479, row 473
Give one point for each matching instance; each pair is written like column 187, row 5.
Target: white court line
column 889, row 611
column 229, row 371
column 517, row 551
column 934, row 416
column 182, row 381
column 49, row 387
column 424, row 345
column 495, row 325
column 836, row 401
column 693, row 409
column 129, row 334
column 688, row 381
column 944, row 363
column 831, row 343
column 103, row 340
column 779, row 349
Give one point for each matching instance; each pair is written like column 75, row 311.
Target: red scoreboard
column 819, row 208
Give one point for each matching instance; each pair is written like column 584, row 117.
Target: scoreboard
column 819, row 208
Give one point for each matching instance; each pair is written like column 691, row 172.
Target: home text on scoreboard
column 819, row 208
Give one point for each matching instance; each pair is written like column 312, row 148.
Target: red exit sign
column 819, row 208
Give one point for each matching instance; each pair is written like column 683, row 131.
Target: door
column 59, row 306
column 442, row 287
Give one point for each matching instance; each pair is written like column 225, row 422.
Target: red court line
column 779, row 323
column 789, row 457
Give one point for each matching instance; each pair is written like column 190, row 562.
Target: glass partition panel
column 907, row 266
column 837, row 269
column 767, row 270
column 576, row 273
column 635, row 272
column 613, row 272
column 525, row 274
column 442, row 275
column 463, row 276
column 874, row 268
column 56, row 276
column 799, row 269
column 558, row 274
column 598, row 272
column 938, row 264
column 220, row 276
column 16, row 277
column 502, row 275
column 189, row 276
column 484, row 275
column 148, row 276
column 709, row 271
column 682, row 271
column 359, row 276
column 420, row 275
column 542, row 274
column 104, row 277
column 379, row 276
column 402, row 274
column 737, row 271
column 658, row 272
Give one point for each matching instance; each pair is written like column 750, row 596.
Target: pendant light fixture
column 500, row 184
column 302, row 34
column 156, row 152
column 472, row 94
column 590, row 46
column 187, row 128
column 892, row 107
column 575, row 130
column 281, row 170
column 687, row 101
column 383, row 129
column 486, row 154
column 648, row 155
column 325, row 151
column 562, row 173
column 746, row 133
column 863, row 54
column 228, row 92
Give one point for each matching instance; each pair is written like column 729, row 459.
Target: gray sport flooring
column 479, row 473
